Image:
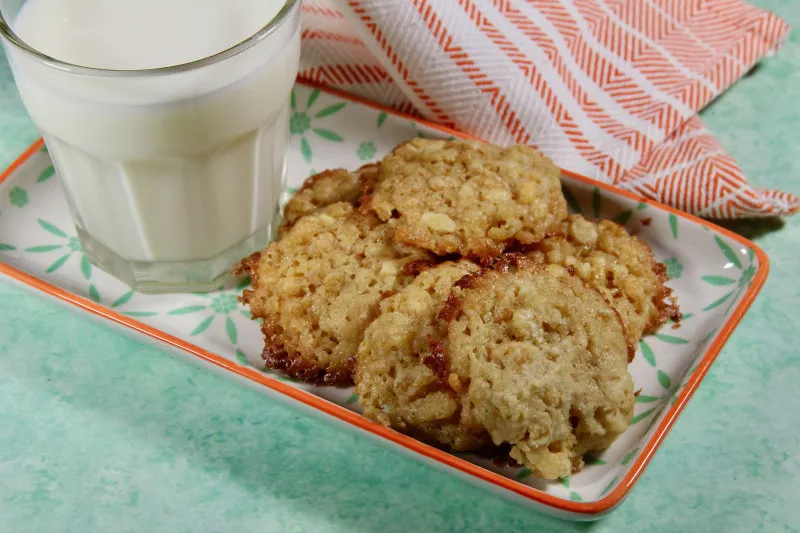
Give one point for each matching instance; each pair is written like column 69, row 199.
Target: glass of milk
column 167, row 122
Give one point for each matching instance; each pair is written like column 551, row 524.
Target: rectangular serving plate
column 715, row 274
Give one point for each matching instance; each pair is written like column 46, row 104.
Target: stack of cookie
column 450, row 285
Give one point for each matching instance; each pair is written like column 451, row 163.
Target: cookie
column 467, row 197
column 318, row 288
column 398, row 375
column 323, row 189
column 617, row 264
column 541, row 360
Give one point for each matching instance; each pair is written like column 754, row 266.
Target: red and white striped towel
column 606, row 88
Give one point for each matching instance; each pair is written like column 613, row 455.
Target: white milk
column 174, row 167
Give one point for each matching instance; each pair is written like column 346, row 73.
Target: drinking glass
column 171, row 174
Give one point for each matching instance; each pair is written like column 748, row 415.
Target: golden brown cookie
column 319, row 287
column 323, row 189
column 467, row 197
column 399, row 380
column 541, row 359
column 617, row 264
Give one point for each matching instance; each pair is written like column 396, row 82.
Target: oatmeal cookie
column 399, row 372
column 541, row 358
column 617, row 264
column 323, row 189
column 467, row 197
column 318, row 288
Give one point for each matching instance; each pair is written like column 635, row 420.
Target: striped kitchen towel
column 606, row 88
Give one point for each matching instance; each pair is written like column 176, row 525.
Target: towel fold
column 606, row 88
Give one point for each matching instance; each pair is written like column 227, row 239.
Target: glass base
column 155, row 277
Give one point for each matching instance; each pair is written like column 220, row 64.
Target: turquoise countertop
column 99, row 432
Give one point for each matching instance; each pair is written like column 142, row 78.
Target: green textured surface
column 101, row 433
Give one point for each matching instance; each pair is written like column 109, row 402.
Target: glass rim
column 263, row 33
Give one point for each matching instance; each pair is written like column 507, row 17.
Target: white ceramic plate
column 714, row 273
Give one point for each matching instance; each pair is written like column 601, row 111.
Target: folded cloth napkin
column 606, row 88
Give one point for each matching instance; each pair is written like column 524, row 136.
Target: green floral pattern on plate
column 708, row 272
column 674, row 268
column 743, row 275
column 304, row 120
column 18, row 196
column 366, row 151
